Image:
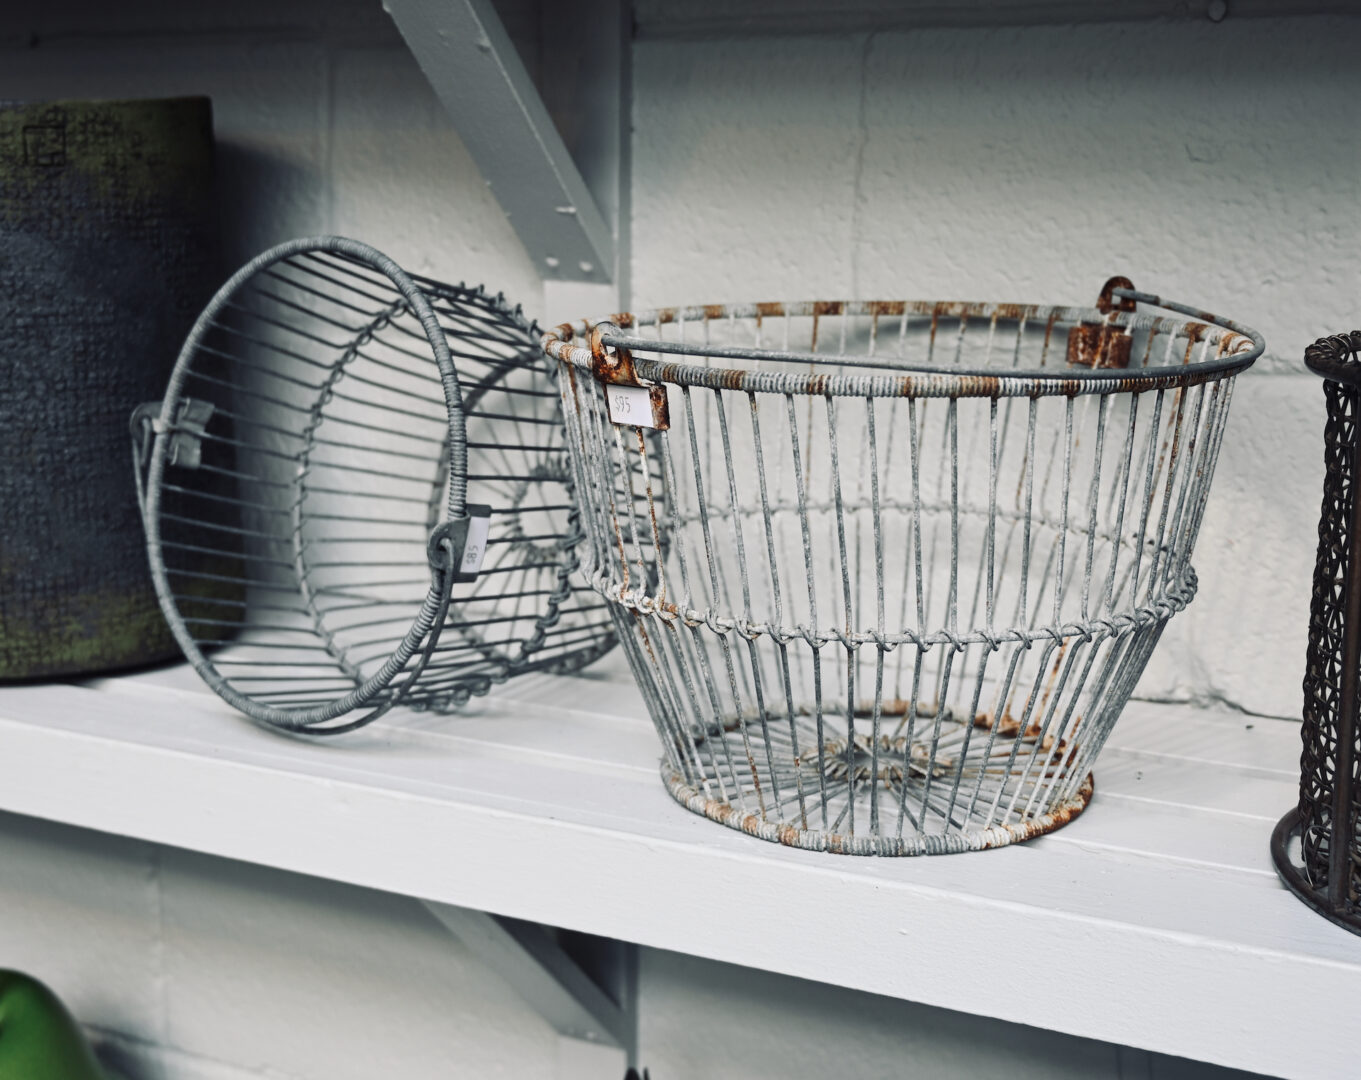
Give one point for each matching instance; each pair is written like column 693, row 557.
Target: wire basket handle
column 1247, row 357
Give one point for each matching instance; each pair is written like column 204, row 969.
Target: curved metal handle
column 1258, row 342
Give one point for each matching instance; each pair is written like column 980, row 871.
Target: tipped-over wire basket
column 887, row 572
column 356, row 493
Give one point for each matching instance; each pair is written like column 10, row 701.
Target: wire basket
column 357, row 493
column 887, row 572
column 1317, row 845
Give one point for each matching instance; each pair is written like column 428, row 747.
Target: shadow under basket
column 888, row 571
column 355, row 494
column 1317, row 846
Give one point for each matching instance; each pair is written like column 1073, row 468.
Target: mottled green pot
column 108, row 250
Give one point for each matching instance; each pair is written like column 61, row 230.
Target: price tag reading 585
column 475, row 547
column 630, row 405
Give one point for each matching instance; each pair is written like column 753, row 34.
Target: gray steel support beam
column 537, row 968
column 473, row 66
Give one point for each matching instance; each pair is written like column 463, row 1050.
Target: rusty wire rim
column 1336, row 358
column 752, row 824
column 1236, row 347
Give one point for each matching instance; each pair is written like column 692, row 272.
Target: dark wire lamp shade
column 108, row 250
column 1317, row 845
column 355, row 494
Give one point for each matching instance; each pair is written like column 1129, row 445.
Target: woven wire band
column 1145, row 615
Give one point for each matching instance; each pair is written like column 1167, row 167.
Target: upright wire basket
column 356, row 493
column 1317, row 845
column 887, row 572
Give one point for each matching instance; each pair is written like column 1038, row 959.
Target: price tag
column 465, row 539
column 475, row 547
column 630, row 405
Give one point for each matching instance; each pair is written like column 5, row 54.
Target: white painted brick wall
column 1005, row 163
column 703, row 1019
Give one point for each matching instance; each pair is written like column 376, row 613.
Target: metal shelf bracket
column 567, row 212
column 550, row 972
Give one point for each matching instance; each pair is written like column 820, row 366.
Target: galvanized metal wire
column 888, row 572
column 331, row 431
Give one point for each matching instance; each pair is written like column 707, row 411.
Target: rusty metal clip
column 628, row 400
column 1103, row 344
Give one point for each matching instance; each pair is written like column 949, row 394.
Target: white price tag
column 630, row 405
column 475, row 549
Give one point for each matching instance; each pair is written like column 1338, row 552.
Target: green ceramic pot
column 39, row 1039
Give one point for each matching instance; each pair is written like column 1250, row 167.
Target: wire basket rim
column 901, row 378
column 1292, row 875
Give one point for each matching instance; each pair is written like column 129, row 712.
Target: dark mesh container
column 1317, row 846
column 108, row 250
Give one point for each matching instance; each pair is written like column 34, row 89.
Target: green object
column 39, row 1039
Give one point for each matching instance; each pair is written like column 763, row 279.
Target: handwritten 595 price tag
column 630, row 405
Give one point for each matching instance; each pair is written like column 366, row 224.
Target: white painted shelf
column 1154, row 920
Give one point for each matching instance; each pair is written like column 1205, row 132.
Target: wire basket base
column 818, row 840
